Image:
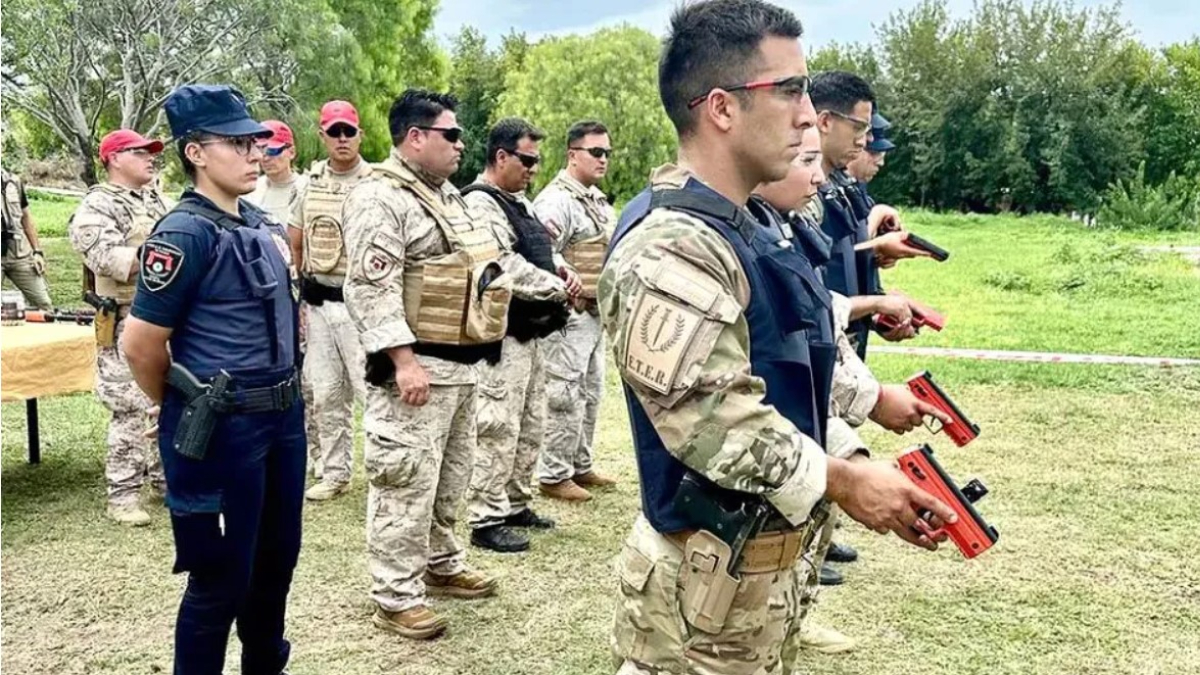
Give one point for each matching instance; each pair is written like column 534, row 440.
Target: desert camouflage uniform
column 574, row 356
column 18, row 265
column 715, row 422
column 512, row 394
column 106, row 230
column 334, row 363
column 417, row 459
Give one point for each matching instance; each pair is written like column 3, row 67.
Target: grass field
column 1092, row 470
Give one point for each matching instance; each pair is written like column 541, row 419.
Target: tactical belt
column 275, row 398
column 768, row 552
column 317, row 294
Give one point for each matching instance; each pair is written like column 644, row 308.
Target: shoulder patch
column 87, row 235
column 161, row 263
column 657, row 340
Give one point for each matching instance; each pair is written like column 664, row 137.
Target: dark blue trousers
column 236, row 516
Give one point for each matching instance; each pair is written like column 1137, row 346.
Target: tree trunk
column 87, row 167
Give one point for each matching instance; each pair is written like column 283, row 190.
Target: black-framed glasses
column 527, row 161
column 243, row 145
column 275, row 152
column 796, row 86
column 861, row 126
column 341, row 131
column 595, row 151
column 451, row 134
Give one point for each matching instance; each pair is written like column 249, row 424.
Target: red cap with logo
column 281, row 134
column 126, row 139
column 338, row 112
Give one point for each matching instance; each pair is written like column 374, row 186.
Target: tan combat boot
column 415, row 623
column 322, row 491
column 129, row 514
column 825, row 640
column 466, row 584
column 567, row 491
column 591, row 479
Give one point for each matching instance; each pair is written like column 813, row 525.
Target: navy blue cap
column 879, row 123
column 213, row 108
column 880, row 143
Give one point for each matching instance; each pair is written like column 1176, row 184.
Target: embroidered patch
column 377, row 264
column 88, row 236
column 161, row 263
column 658, row 339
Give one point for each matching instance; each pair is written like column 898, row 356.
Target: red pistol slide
column 971, row 534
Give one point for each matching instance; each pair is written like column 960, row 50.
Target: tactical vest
column 462, row 297
column 586, row 256
column 528, row 319
column 779, row 349
column 324, row 243
column 11, row 211
column 243, row 317
column 143, row 214
column 848, row 272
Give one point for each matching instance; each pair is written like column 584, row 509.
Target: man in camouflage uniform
column 276, row 192
column 581, row 220
column 512, row 400
column 426, row 291
column 110, row 224
column 682, row 297
column 334, row 360
column 24, row 264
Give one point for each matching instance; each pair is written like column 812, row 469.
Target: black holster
column 205, row 404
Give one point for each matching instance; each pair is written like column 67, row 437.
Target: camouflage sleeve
column 529, row 281
column 297, row 216
column 842, row 440
column 671, row 299
column 855, row 389
column 374, row 227
column 95, row 235
column 553, row 208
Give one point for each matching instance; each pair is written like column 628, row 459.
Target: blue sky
column 1157, row 22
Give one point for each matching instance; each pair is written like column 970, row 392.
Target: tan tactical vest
column 10, row 202
column 324, row 244
column 462, row 297
column 143, row 214
column 587, row 255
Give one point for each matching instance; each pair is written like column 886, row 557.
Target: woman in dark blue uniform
column 214, row 287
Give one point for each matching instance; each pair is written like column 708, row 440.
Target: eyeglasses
column 861, row 126
column 341, row 131
column 595, row 151
column 451, row 134
column 796, row 87
column 137, row 152
column 275, row 152
column 527, row 161
column 243, row 145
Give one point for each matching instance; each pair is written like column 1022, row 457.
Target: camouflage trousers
column 808, row 588
column 512, row 418
column 574, row 360
column 23, row 275
column 335, row 366
column 418, row 465
column 131, row 456
column 651, row 636
column 310, row 420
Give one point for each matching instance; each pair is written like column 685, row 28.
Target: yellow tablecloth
column 46, row 360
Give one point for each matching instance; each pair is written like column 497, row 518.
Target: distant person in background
column 866, row 165
column 280, row 185
column 24, row 264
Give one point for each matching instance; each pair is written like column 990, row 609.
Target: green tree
column 610, row 75
column 1173, row 124
column 476, row 79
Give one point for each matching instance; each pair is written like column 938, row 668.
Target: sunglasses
column 861, row 126
column 596, row 152
column 451, row 134
column 796, row 87
column 275, row 152
column 341, row 131
column 527, row 161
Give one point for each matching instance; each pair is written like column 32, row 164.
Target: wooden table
column 45, row 360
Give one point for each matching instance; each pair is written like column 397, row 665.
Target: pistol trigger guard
column 933, row 424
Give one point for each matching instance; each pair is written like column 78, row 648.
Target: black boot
column 527, row 518
column 841, row 553
column 500, row 539
column 829, row 576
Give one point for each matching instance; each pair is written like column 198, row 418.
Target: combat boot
column 591, row 479
column 527, row 518
column 500, row 539
column 567, row 491
column 129, row 514
column 828, row 576
column 322, row 491
column 466, row 584
column 415, row 623
column 841, row 553
column 825, row 640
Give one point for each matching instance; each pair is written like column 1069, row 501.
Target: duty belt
column 276, row 398
column 768, row 552
column 317, row 294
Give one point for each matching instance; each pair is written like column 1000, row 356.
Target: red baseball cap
column 338, row 112
column 126, row 139
column 281, row 134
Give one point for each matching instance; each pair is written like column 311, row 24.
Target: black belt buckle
column 283, row 395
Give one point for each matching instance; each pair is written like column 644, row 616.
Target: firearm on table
column 82, row 317
column 922, row 316
column 913, row 241
column 971, row 534
column 961, row 429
